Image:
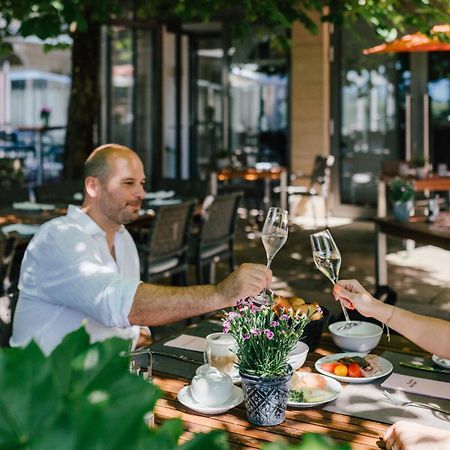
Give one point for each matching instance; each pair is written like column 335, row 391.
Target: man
column 84, row 267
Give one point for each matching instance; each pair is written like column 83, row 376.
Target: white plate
column 442, row 362
column 164, row 202
column 21, row 228
column 332, row 385
column 185, row 397
column 386, row 368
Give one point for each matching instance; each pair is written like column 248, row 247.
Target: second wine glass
column 327, row 258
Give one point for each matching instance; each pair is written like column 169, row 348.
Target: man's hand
column 247, row 280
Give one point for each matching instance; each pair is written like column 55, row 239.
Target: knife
column 422, row 366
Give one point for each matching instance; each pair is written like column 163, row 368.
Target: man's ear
column 91, row 184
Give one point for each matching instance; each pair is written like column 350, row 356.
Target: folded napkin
column 21, row 228
column 416, row 385
column 159, row 195
column 33, row 206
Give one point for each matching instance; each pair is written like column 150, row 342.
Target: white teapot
column 211, row 387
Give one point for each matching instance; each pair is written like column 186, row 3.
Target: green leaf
column 215, row 440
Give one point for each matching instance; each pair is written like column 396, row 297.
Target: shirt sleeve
column 67, row 268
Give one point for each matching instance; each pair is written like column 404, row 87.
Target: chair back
column 322, row 170
column 7, row 308
column 169, row 231
column 61, row 192
column 219, row 219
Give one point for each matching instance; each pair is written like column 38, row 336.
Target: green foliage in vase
column 419, row 161
column 401, row 190
column 264, row 338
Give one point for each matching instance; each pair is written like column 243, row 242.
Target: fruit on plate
column 353, row 366
column 308, row 388
column 312, row 310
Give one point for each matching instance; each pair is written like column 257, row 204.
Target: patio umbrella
column 416, row 42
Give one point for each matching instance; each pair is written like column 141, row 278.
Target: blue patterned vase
column 266, row 398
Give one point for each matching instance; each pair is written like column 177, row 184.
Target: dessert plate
column 185, row 397
column 386, row 368
column 333, row 386
column 442, row 362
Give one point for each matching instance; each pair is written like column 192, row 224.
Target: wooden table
column 416, row 229
column 254, row 174
column 361, row 433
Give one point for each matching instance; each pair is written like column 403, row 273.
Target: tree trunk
column 84, row 100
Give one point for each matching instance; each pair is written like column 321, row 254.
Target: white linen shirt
column 68, row 277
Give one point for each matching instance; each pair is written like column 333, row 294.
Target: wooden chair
column 163, row 247
column 214, row 236
column 7, row 308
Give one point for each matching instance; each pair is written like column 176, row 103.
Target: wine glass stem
column 344, row 309
column 269, row 262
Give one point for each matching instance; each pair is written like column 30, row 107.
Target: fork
column 398, row 402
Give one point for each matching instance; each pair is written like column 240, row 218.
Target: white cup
column 218, row 353
column 211, row 387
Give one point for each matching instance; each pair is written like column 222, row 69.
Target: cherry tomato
column 354, row 370
column 341, row 370
column 329, row 367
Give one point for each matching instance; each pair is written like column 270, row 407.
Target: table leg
column 381, row 206
column 213, row 183
column 380, row 258
column 283, row 190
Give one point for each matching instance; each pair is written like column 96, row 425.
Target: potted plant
column 401, row 192
column 45, row 116
column 222, row 158
column 264, row 339
column 421, row 167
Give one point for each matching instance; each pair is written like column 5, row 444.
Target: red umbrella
column 416, row 42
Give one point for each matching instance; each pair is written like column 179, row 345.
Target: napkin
column 188, row 342
column 33, row 206
column 416, row 385
column 21, row 228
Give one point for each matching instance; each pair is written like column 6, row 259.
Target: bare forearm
column 429, row 333
column 158, row 305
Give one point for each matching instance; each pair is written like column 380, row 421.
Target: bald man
column 84, row 267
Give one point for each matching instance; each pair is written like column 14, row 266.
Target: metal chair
column 214, row 236
column 319, row 184
column 163, row 247
column 7, row 307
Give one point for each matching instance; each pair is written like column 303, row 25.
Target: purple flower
column 269, row 334
column 246, row 337
column 284, row 317
column 274, row 323
column 226, row 326
column 256, row 331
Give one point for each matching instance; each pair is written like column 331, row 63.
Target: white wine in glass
column 327, row 258
column 275, row 232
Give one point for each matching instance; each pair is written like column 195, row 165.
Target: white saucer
column 185, row 397
column 442, row 362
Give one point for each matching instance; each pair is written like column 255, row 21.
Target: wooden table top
column 361, row 433
column 437, row 233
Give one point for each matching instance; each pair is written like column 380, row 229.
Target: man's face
column 120, row 195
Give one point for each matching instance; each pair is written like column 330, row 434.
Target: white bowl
column 297, row 357
column 361, row 338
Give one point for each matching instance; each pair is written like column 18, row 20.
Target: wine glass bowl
column 275, row 232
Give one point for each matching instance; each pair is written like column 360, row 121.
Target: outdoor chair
column 7, row 307
column 61, row 193
column 213, row 238
column 319, row 184
column 163, row 246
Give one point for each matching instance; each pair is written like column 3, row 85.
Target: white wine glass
column 328, row 259
column 274, row 235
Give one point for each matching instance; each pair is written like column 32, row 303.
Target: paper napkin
column 416, row 385
column 187, row 342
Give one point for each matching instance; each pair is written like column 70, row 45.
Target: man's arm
column 158, row 305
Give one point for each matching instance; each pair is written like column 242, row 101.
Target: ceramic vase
column 266, row 398
column 402, row 210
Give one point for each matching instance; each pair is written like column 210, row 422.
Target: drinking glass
column 275, row 232
column 274, row 235
column 327, row 258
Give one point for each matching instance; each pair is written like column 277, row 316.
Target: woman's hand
column 354, row 296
